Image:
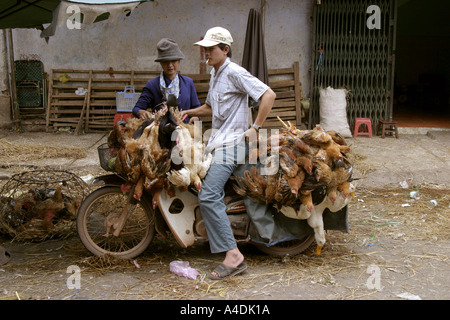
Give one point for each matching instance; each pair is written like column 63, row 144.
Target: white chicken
column 192, row 154
column 315, row 220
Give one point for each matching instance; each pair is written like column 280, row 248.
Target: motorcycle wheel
column 136, row 235
column 287, row 248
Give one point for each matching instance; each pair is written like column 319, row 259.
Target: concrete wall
column 129, row 43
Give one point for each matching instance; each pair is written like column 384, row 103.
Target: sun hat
column 214, row 36
column 168, row 50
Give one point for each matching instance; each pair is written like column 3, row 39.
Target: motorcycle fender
column 336, row 220
column 181, row 223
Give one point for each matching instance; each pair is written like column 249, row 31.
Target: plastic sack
column 183, row 269
column 333, row 110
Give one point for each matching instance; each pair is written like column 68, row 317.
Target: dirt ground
column 398, row 247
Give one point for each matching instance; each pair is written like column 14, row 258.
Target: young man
column 227, row 102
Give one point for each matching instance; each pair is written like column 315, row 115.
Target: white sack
column 333, row 110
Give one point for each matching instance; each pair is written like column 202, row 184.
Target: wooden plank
column 281, row 83
column 49, row 99
column 281, row 103
column 67, row 103
column 279, row 71
column 275, row 113
column 298, row 106
column 88, row 106
column 286, row 94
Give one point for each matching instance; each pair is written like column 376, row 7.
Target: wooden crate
column 64, row 107
column 286, row 84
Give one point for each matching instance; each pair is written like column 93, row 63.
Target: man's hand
column 144, row 114
column 193, row 119
column 251, row 136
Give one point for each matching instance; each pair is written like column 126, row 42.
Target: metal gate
column 354, row 46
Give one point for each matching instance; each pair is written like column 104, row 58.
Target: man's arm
column 266, row 104
column 203, row 110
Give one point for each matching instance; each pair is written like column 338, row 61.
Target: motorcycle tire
column 100, row 208
column 287, row 248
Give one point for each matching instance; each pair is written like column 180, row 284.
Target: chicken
column 317, row 136
column 180, row 178
column 296, row 182
column 154, row 187
column 337, row 137
column 306, row 199
column 340, row 140
column 192, row 155
column 296, row 144
column 130, row 160
column 253, row 185
column 271, row 188
column 287, row 162
column 322, row 171
column 290, row 128
column 139, row 188
column 54, row 204
column 315, row 221
column 283, row 194
column 339, row 176
column 345, row 189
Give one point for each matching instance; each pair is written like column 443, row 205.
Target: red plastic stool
column 358, row 123
column 121, row 116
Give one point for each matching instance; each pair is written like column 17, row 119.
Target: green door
column 354, row 47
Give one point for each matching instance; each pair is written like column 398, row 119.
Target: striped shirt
column 228, row 94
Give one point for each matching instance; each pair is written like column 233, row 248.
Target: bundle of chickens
column 162, row 152
column 307, row 163
column 37, row 213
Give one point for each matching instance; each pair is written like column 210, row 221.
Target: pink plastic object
column 183, row 269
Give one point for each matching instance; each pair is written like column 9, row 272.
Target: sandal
column 225, row 271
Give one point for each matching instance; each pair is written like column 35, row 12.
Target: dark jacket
column 151, row 95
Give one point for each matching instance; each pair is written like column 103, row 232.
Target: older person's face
column 170, row 68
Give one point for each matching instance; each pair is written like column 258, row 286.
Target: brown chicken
column 306, row 199
column 345, row 189
column 337, row 137
column 322, row 171
column 338, row 176
column 130, row 159
column 287, row 162
column 54, row 204
column 317, row 136
column 283, row 194
column 252, row 185
column 271, row 188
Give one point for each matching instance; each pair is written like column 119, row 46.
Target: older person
column 227, row 102
column 168, row 82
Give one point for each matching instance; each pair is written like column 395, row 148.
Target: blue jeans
column 212, row 207
column 271, row 227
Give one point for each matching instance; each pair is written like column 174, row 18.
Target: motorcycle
column 113, row 222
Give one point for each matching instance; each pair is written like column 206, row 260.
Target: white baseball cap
column 214, row 36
